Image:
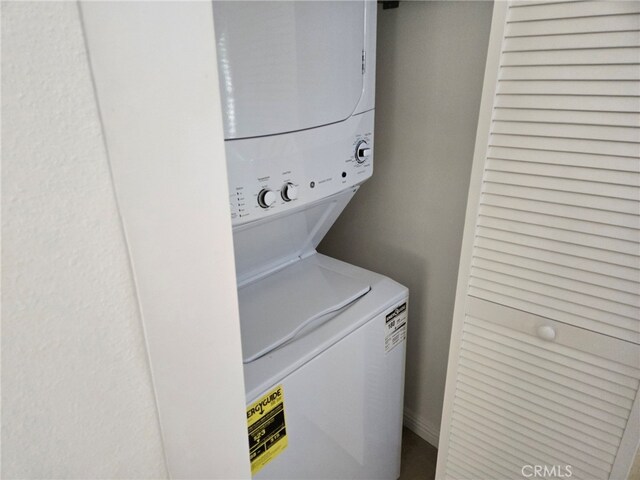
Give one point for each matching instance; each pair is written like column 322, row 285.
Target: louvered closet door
column 545, row 358
column 521, row 400
column 559, row 218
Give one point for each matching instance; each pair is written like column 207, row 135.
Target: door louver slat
column 567, row 26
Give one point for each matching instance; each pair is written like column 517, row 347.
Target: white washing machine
column 323, row 341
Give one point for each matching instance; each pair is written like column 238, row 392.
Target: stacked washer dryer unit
column 323, row 341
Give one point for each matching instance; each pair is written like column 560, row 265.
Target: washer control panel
column 273, row 174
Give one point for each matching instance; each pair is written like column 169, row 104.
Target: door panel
column 544, row 364
column 523, row 400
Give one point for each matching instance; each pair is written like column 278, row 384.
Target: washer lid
column 286, row 66
column 289, row 303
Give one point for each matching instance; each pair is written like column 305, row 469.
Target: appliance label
column 395, row 327
column 267, row 429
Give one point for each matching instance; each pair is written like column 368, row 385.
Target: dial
column 289, row 192
column 266, row 198
column 363, row 151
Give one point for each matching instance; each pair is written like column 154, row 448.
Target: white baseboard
column 423, row 429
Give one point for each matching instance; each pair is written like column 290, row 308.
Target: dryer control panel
column 275, row 174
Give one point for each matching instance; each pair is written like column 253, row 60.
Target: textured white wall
column 407, row 221
column 77, row 399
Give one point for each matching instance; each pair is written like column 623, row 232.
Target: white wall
column 77, row 398
column 154, row 67
column 407, row 221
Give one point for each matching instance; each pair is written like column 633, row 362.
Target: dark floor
column 418, row 457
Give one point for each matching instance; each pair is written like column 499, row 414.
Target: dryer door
column 286, row 66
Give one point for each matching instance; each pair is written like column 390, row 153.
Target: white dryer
column 323, row 341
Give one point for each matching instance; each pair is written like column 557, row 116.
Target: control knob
column 289, row 192
column 363, row 151
column 266, row 198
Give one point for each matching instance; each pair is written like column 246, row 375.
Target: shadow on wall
column 410, row 270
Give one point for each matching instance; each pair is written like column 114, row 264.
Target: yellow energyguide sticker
column 267, row 428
